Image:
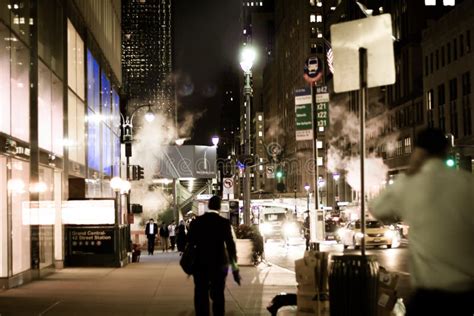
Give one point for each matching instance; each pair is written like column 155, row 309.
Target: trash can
column 353, row 285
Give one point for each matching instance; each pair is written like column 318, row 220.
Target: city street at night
column 174, row 157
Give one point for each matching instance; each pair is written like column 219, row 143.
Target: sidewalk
column 154, row 286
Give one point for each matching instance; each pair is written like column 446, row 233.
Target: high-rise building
column 447, row 79
column 299, row 28
column 147, row 62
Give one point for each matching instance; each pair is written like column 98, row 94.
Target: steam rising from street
column 343, row 151
column 150, row 139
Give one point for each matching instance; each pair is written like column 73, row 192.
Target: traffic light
column 450, row 162
column 279, row 174
column 140, row 173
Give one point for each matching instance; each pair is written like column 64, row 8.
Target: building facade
column 60, row 79
column 448, row 65
column 299, row 28
column 147, row 46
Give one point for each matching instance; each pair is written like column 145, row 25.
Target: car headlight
column 290, row 229
column 359, row 235
column 389, row 234
column 266, row 228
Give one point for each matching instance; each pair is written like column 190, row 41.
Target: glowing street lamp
column 149, row 115
column 247, row 58
column 215, row 140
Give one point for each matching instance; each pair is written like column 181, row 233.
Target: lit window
column 312, row 3
column 260, row 134
column 260, row 118
column 320, row 35
column 333, row 8
column 319, row 4
column 319, row 18
column 261, row 4
column 312, row 18
column 245, row 31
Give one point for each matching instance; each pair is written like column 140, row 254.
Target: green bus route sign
column 322, row 106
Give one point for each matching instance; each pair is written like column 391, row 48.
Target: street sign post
column 303, row 114
column 363, row 58
column 322, row 106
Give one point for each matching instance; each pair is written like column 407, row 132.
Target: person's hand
column 237, row 276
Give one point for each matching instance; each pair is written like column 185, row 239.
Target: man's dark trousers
column 209, row 282
column 151, row 244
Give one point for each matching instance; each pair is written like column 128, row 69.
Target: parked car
column 376, row 234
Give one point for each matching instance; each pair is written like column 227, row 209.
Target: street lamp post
column 321, row 184
column 307, row 187
column 335, row 177
column 215, row 142
column 294, row 190
column 127, row 130
column 246, row 62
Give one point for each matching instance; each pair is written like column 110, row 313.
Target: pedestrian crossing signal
column 141, row 173
column 137, row 172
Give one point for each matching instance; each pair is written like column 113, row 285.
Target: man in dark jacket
column 212, row 236
column 151, row 230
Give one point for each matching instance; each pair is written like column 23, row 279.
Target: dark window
column 442, row 57
column 453, row 89
column 466, row 83
column 437, row 59
column 468, row 41
column 419, row 113
column 426, row 65
column 461, row 45
column 441, row 95
column 453, row 95
column 448, row 48
column 466, row 104
column 455, row 48
column 441, row 105
column 431, row 63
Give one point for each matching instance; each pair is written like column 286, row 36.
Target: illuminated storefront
column 59, row 125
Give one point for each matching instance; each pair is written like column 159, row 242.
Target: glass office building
column 60, row 80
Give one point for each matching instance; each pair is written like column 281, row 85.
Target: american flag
column 330, row 57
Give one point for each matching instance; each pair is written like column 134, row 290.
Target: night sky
column 206, row 37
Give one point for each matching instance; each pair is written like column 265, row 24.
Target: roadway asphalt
column 394, row 260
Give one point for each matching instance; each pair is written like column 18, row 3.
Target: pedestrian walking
column 164, row 235
column 172, row 232
column 181, row 236
column 306, row 230
column 437, row 202
column 151, row 229
column 211, row 234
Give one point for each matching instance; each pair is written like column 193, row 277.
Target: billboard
column 187, row 162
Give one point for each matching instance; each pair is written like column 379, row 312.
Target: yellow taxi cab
column 376, row 234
